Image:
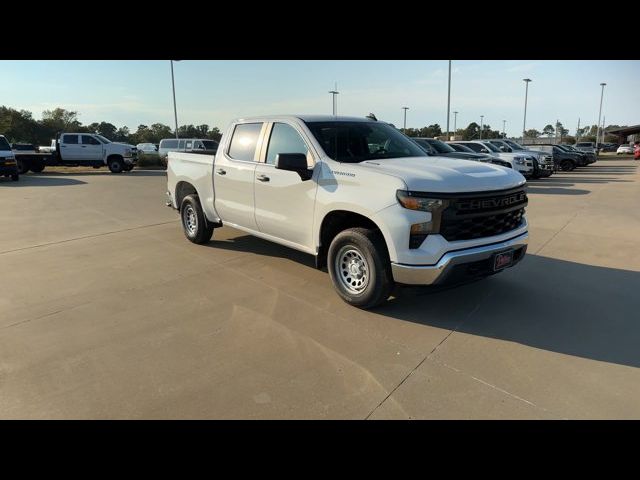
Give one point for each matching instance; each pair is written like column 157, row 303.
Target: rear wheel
column 23, row 166
column 567, row 165
column 359, row 267
column 116, row 165
column 195, row 225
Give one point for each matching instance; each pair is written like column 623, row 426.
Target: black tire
column 567, row 165
column 369, row 255
column 116, row 165
column 15, row 177
column 23, row 166
column 36, row 167
column 194, row 224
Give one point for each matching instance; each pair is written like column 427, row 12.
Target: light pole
column 504, row 133
column 455, row 118
column 526, row 94
column 481, row 125
column 599, row 114
column 335, row 92
column 404, row 130
column 173, row 87
column 449, row 100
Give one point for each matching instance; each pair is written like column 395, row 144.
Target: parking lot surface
column 107, row 311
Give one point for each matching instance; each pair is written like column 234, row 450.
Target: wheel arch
column 336, row 221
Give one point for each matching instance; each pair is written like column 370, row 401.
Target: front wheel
column 195, row 225
column 359, row 267
column 116, row 165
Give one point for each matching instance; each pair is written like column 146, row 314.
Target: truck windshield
column 513, row 145
column 103, row 139
column 354, row 142
column 4, row 145
column 491, row 147
column 440, row 146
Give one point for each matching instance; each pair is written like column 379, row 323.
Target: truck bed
column 195, row 169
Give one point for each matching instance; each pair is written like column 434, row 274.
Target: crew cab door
column 234, row 173
column 284, row 203
column 70, row 147
column 90, row 148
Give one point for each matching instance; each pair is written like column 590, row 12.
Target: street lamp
column 599, row 114
column 526, row 94
column 504, row 133
column 449, row 100
column 455, row 118
column 335, row 92
column 481, row 125
column 404, row 130
column 173, row 87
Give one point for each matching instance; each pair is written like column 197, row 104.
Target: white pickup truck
column 360, row 196
column 80, row 149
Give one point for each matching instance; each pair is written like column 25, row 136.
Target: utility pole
column 455, row 118
column 404, row 129
column 504, row 133
column 449, row 101
column 481, row 125
column 173, row 87
column 603, row 122
column 556, row 137
column 335, row 92
column 599, row 113
column 578, row 131
column 526, row 94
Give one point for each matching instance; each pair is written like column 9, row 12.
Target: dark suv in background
column 435, row 147
column 564, row 160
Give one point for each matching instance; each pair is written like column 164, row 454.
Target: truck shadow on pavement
column 560, row 306
column 41, row 182
column 555, row 305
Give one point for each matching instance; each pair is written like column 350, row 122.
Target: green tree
column 472, row 132
column 532, row 133
column 61, row 120
column 548, row 130
column 214, row 134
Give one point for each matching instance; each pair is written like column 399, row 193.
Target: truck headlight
column 414, row 201
column 419, row 201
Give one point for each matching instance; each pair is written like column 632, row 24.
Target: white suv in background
column 521, row 163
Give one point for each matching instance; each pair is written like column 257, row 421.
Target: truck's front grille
column 483, row 215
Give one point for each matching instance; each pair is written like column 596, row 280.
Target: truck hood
column 446, row 175
column 479, row 157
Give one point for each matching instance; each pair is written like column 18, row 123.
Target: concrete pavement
column 107, row 311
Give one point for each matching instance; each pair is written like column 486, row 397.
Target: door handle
column 221, row 171
column 263, row 178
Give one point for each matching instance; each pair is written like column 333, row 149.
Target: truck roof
column 306, row 118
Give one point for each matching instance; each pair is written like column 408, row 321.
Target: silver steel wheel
column 190, row 220
column 352, row 269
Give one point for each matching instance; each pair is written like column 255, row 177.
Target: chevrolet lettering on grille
column 493, row 202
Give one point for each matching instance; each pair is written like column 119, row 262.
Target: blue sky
column 214, row 92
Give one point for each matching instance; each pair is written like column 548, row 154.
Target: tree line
column 20, row 126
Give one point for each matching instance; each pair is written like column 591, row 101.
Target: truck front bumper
column 467, row 263
column 8, row 168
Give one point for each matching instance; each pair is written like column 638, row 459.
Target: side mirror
column 294, row 162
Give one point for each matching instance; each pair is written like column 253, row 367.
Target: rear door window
column 70, row 139
column 244, row 141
